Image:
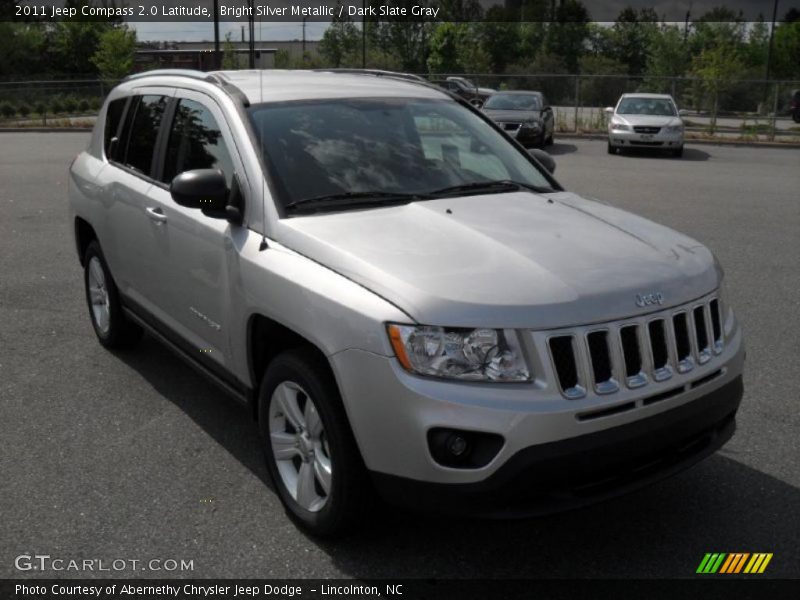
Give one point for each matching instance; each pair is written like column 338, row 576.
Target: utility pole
column 217, row 60
column 769, row 50
column 304, row 38
column 252, row 24
column 364, row 34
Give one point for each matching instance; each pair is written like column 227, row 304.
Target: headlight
column 674, row 129
column 531, row 124
column 467, row 354
column 620, row 126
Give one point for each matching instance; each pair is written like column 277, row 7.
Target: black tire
column 121, row 332
column 549, row 141
column 611, row 149
column 678, row 153
column 350, row 497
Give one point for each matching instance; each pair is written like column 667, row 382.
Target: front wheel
column 310, row 450
column 611, row 149
column 678, row 153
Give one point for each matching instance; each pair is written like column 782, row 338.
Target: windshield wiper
column 488, row 187
column 350, row 199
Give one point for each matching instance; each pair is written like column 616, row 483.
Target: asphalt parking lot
column 135, row 456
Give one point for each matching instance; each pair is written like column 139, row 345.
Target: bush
column 7, row 109
column 83, row 105
column 70, row 104
column 40, row 108
column 24, row 110
column 56, row 105
column 95, row 103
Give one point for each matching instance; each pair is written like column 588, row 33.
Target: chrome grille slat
column 636, row 352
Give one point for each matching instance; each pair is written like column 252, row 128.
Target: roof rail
column 217, row 78
column 376, row 73
column 168, row 72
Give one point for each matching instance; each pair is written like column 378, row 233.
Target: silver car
column 405, row 300
column 645, row 121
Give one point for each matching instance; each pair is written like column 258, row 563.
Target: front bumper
column 392, row 412
column 557, row 476
column 631, row 139
column 527, row 136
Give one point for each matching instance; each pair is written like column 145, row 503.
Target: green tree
column 666, row 58
column 718, row 68
column 230, row 59
column 445, row 49
column 786, row 51
column 630, row 38
column 566, row 35
column 22, row 49
column 115, row 53
column 341, row 42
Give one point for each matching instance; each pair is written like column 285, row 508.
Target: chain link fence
column 740, row 109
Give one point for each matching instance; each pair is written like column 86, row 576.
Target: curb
column 46, row 129
column 689, row 141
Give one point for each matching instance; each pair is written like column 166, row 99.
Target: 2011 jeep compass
column 406, row 299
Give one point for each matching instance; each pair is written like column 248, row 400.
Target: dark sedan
column 527, row 116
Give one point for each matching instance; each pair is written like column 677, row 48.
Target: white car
column 645, row 121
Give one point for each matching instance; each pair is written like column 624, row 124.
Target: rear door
column 194, row 252
column 127, row 182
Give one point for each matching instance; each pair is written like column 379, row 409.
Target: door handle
column 156, row 214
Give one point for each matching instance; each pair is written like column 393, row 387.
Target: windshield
column 646, row 106
column 331, row 148
column 513, row 102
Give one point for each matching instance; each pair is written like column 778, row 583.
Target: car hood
column 513, row 116
column 651, row 120
column 517, row 260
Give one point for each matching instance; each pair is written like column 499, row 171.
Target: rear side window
column 143, row 132
column 195, row 142
column 113, row 118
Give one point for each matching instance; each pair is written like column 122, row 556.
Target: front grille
column 646, row 129
column 510, row 126
column 640, row 143
column 603, row 358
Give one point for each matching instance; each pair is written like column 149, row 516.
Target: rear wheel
column 310, row 450
column 112, row 327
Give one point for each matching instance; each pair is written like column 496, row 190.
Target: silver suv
column 405, row 299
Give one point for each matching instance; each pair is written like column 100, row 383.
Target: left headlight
column 531, row 124
column 466, row 354
column 674, row 129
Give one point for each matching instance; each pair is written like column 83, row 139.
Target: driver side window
column 195, row 142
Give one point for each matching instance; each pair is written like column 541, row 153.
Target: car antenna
column 263, row 246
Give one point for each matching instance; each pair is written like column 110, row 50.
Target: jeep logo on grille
column 643, row 300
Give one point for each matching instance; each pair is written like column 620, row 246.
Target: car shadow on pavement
column 719, row 505
column 227, row 421
column 559, row 148
column 689, row 154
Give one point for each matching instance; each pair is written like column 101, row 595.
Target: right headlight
column 456, row 353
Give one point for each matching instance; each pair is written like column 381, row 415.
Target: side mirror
column 476, row 103
column 544, row 158
column 609, row 110
column 683, row 112
column 205, row 189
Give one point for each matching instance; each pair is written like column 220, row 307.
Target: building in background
column 200, row 55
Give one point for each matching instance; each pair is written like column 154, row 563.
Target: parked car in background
column 526, row 116
column 794, row 106
column 645, row 121
column 466, row 89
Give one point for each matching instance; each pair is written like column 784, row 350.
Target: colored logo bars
column 736, row 562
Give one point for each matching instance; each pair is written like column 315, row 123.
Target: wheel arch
column 266, row 338
column 84, row 235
